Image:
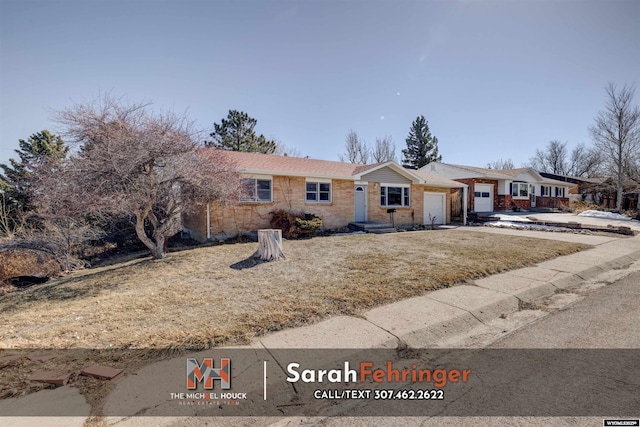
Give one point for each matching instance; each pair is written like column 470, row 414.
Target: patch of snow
column 513, row 218
column 605, row 215
column 522, row 226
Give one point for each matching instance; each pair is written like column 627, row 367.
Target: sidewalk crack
column 293, row 385
column 401, row 343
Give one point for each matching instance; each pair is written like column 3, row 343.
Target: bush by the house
column 295, row 225
column 581, row 206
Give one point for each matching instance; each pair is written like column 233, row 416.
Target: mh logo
column 205, row 372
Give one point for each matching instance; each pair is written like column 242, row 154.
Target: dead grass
column 578, row 207
column 207, row 296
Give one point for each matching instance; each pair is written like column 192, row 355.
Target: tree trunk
column 155, row 249
column 269, row 245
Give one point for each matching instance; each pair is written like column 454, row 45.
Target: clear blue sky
column 495, row 79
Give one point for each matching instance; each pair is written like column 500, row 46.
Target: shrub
column 295, row 225
column 581, row 206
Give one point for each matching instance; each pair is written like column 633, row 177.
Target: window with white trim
column 559, row 191
column 394, row 196
column 318, row 192
column 545, row 191
column 256, row 190
column 520, row 189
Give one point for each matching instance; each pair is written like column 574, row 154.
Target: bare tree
column 134, row 162
column 555, row 158
column 384, row 150
column 67, row 219
column 584, row 162
column 285, row 150
column 616, row 133
column 552, row 159
column 633, row 170
column 356, row 150
column 501, row 164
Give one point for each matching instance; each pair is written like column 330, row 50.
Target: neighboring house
column 501, row 190
column 601, row 191
column 339, row 193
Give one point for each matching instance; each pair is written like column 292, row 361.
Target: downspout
column 465, row 192
column 208, row 222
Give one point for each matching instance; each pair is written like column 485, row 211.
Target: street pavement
column 488, row 312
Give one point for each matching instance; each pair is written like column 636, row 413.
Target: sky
column 495, row 79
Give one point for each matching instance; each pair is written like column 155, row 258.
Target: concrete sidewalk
column 470, row 315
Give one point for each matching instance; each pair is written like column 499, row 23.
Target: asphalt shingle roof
column 285, row 165
column 268, row 163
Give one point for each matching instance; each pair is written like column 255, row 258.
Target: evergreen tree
column 422, row 147
column 39, row 148
column 236, row 133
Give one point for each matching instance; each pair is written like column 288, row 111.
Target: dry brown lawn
column 212, row 295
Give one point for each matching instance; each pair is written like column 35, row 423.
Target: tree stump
column 269, row 245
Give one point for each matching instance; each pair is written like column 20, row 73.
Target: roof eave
column 415, row 179
column 297, row 174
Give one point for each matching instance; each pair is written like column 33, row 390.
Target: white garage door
column 434, row 205
column 483, row 198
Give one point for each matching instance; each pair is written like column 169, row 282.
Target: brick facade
column 521, row 203
column 289, row 193
column 404, row 216
column 471, row 183
column 503, row 202
column 551, row 202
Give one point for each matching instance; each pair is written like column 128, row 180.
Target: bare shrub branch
column 146, row 165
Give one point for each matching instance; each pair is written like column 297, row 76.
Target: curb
column 470, row 316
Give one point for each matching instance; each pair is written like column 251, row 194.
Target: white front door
column 360, row 203
column 483, row 198
column 532, row 195
column 434, row 208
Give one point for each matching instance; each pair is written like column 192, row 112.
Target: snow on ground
column 522, row 226
column 514, row 218
column 605, row 215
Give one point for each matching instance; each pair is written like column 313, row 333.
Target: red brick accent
column 471, row 183
column 521, row 203
column 551, row 202
column 503, row 202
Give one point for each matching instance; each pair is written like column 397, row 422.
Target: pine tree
column 422, row 147
column 236, row 133
column 40, row 147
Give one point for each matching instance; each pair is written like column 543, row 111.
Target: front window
column 520, row 189
column 394, row 196
column 318, row 192
column 546, row 190
column 256, row 190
